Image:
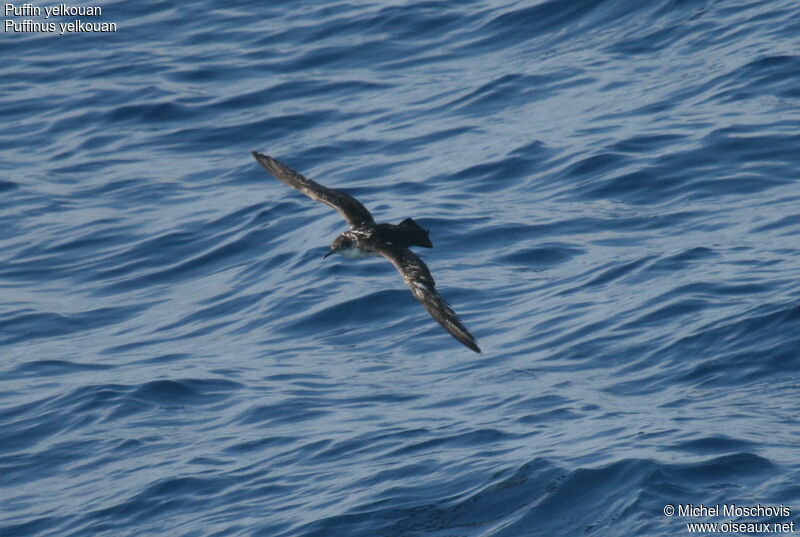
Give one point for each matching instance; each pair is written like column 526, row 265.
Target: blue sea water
column 613, row 192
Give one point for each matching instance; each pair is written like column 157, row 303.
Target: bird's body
column 365, row 238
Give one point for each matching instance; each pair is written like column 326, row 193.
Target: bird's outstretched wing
column 350, row 208
column 419, row 280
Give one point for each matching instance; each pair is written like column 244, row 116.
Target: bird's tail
column 417, row 233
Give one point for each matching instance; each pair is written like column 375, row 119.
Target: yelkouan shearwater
column 366, row 238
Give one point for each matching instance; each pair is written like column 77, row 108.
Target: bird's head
column 341, row 244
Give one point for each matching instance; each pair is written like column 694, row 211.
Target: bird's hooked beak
column 330, row 253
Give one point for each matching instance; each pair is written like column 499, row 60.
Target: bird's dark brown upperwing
column 419, row 280
column 350, row 208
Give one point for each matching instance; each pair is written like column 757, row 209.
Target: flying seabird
column 366, row 238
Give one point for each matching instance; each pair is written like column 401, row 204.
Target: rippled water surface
column 612, row 189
